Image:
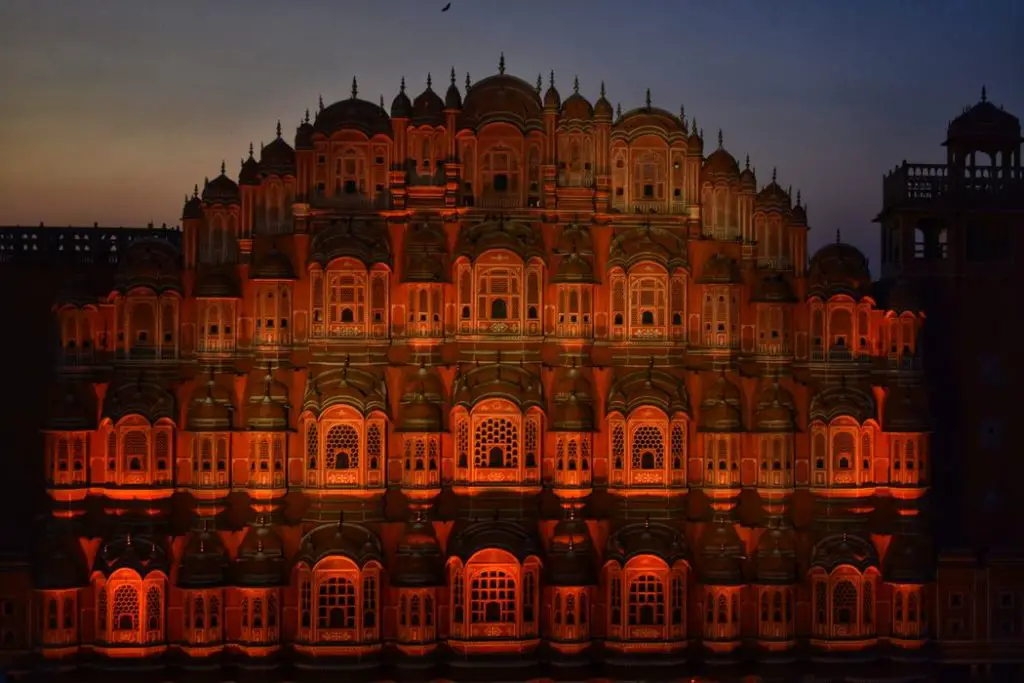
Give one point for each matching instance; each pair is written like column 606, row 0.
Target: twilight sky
column 113, row 109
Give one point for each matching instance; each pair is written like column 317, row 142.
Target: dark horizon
column 121, row 108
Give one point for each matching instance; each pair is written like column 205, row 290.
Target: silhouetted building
column 953, row 233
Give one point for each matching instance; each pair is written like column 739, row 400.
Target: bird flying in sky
column 446, row 7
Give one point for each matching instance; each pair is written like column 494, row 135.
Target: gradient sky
column 111, row 110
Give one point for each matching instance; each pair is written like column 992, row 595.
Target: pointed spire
column 693, row 126
column 321, row 103
column 602, row 89
column 401, row 86
column 984, row 94
column 575, row 84
column 501, row 63
column 774, row 175
column 551, row 79
column 746, row 163
column 382, row 102
column 798, row 197
column 469, row 83
column 306, row 120
column 540, row 83
column 453, row 76
column 618, row 110
column 719, row 138
column 223, row 168
column 195, row 190
column 647, row 99
column 839, row 236
column 355, row 88
column 250, row 149
column 430, row 81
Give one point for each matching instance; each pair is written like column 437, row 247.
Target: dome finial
column 382, row 101
column 195, row 190
column 693, row 126
column 984, row 94
column 430, row 81
column 279, row 128
column 401, row 86
column 306, row 120
column 469, row 83
column 575, row 84
column 250, row 149
column 773, row 174
column 551, row 79
column 719, row 138
column 648, row 98
column 798, row 197
column 746, row 163
column 453, row 76
column 839, row 236
column 223, row 168
column 321, row 103
column 501, row 63
column 540, row 83
column 355, row 88
column 602, row 89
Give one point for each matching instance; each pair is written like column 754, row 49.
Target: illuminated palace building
column 490, row 380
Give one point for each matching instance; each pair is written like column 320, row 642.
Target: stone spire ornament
column 355, row 88
column 501, row 64
column 647, row 99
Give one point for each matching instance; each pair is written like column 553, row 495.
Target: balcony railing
column 353, row 201
column 916, row 183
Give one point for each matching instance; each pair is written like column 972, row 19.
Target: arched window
column 498, row 444
column 654, row 445
column 344, row 449
column 492, row 598
column 336, row 604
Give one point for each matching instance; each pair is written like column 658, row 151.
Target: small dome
column 773, row 288
column 452, row 98
column 906, row 410
column 721, row 409
column 268, row 406
column 428, row 108
column 418, row 561
column 775, row 410
column 798, row 215
column 358, row 388
column 401, row 106
column 221, row 190
column 260, row 560
column 354, row 541
column 426, row 254
column 573, row 409
column 552, row 100
column 135, row 395
column 659, row 539
column 570, row 558
column 139, row 553
column 504, row 98
column 838, row 549
column 651, row 387
column 985, row 123
column 576, row 107
column 721, row 164
column 521, row 238
column 193, row 209
column 151, row 263
column 720, row 268
column 210, row 409
column 517, row 383
column 721, row 562
column 576, row 252
column 634, row 245
column 72, row 408
column 365, row 240
column 273, row 264
column 748, row 181
column 776, row 557
column 842, row 400
column 278, row 158
column 773, row 197
column 513, row 536
column 304, row 134
column 204, row 563
column 353, row 114
column 250, row 173
column 909, row 559
column 695, row 143
column 58, row 562
column 215, row 282
column 603, row 108
column 838, row 269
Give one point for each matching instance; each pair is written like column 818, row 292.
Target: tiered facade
column 493, row 378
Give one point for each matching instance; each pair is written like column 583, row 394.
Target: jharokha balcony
column 920, row 183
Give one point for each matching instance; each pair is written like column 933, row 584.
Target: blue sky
column 114, row 109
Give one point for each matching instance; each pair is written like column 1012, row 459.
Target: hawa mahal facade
column 490, row 380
